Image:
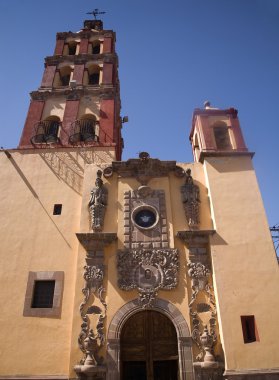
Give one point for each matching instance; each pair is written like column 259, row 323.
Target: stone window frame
column 55, row 310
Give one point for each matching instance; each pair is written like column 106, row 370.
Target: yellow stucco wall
column 244, row 262
column 32, row 239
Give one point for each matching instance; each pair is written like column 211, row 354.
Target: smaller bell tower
column 216, row 132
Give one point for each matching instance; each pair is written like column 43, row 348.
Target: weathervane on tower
column 95, row 13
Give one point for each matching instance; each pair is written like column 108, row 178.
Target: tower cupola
column 216, row 132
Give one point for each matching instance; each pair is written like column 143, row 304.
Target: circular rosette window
column 145, row 217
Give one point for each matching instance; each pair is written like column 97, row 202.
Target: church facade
column 137, row 269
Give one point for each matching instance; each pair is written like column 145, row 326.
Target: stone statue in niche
column 97, row 204
column 191, row 200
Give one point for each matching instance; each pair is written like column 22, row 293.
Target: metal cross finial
column 95, row 12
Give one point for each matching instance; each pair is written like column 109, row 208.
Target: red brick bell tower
column 78, row 102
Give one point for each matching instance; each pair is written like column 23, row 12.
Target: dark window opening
column 96, row 49
column 84, row 130
column 57, row 209
column 94, row 78
column 72, row 49
column 249, row 328
column 87, row 130
column 222, row 138
column 43, row 294
column 65, row 79
column 46, row 132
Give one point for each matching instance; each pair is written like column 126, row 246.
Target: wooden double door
column 149, row 348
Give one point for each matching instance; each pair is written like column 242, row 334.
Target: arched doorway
column 148, row 347
column 172, row 313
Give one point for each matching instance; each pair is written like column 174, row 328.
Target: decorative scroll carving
column 90, row 342
column 147, row 270
column 199, row 274
column 97, row 204
column 203, row 307
column 144, row 168
column 202, row 304
column 191, row 199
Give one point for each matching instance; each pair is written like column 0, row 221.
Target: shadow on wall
column 68, row 168
column 35, row 195
column 96, row 157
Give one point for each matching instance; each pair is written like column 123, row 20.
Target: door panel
column 134, row 371
column 165, row 370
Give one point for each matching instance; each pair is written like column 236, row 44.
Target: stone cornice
column 143, row 169
column 103, row 92
column 190, row 237
column 96, row 240
column 84, row 34
column 54, row 60
column 232, row 153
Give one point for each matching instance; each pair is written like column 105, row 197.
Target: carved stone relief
column 148, row 271
column 191, row 200
column 144, row 168
column 89, row 341
column 202, row 303
column 93, row 308
column 97, row 204
column 199, row 275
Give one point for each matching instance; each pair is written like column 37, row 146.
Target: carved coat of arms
column 147, row 270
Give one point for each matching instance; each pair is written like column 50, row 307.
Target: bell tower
column 216, row 132
column 78, row 101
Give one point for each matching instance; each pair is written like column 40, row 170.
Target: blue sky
column 172, row 57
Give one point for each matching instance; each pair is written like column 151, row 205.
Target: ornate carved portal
column 147, row 270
